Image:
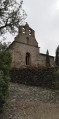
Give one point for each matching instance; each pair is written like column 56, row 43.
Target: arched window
column 27, row 58
column 27, row 40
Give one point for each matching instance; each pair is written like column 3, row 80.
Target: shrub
column 56, row 84
column 5, row 64
column 3, row 89
column 56, row 80
column 57, row 74
column 35, row 76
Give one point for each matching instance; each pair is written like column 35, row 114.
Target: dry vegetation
column 27, row 102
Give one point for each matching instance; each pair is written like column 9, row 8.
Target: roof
column 45, row 55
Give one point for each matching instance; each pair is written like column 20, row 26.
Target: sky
column 43, row 18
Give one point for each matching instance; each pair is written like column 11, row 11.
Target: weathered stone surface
column 24, row 43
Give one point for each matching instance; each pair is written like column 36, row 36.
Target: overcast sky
column 43, row 17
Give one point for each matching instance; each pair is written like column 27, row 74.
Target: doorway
column 27, row 58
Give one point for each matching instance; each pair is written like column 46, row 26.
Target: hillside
column 27, row 102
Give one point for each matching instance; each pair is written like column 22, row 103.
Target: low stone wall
column 34, row 76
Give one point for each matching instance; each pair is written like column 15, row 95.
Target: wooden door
column 27, row 59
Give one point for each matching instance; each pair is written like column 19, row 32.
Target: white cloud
column 43, row 17
column 57, row 5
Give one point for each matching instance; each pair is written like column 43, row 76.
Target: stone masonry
column 25, row 50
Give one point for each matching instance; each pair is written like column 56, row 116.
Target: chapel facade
column 25, row 50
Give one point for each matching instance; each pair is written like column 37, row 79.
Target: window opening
column 27, row 58
column 27, row 40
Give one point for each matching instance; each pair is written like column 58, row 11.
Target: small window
column 27, row 40
column 23, row 30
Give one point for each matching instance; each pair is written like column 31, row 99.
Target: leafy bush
column 56, row 84
column 5, row 64
column 3, row 89
column 43, row 77
column 57, row 74
column 33, row 76
column 56, row 81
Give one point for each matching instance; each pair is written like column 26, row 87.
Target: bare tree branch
column 11, row 15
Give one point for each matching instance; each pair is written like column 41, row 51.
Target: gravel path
column 27, row 93
column 27, row 102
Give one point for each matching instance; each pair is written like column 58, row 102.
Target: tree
column 5, row 61
column 11, row 15
column 3, row 46
column 5, row 64
column 57, row 56
column 47, row 59
column 4, row 81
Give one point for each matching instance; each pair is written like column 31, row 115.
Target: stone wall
column 19, row 51
column 42, row 60
column 25, row 42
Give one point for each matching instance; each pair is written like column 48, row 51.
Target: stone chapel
column 25, row 50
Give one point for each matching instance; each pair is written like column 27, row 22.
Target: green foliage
column 57, row 74
column 3, row 46
column 3, row 89
column 5, row 64
column 56, row 84
column 57, row 56
column 44, row 77
column 56, row 81
column 5, row 61
column 47, row 59
column 33, row 76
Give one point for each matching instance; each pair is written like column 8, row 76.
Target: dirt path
column 27, row 102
